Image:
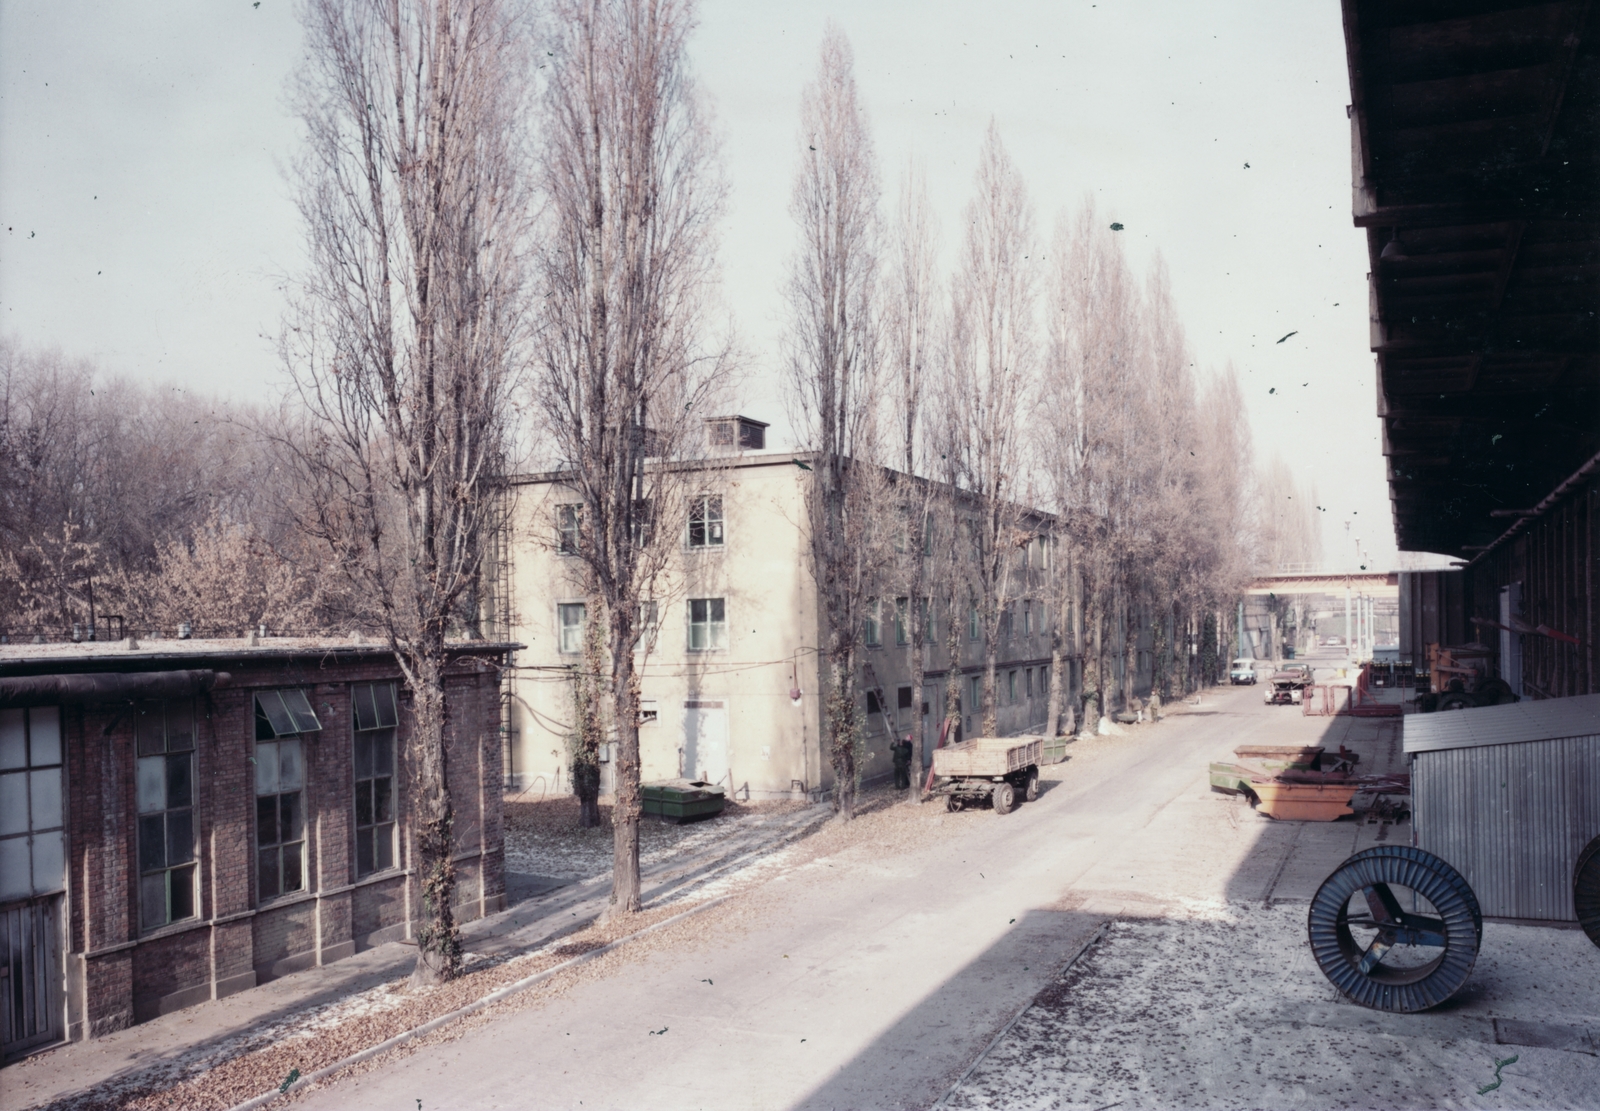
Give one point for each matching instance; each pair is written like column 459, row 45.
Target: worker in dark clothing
column 901, row 751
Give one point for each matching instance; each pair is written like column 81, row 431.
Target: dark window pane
column 182, row 887
column 716, row 606
column 292, row 858
column 383, row 698
column 383, row 837
column 383, row 753
column 697, row 610
column 304, row 720
column 383, row 799
column 152, row 842
column 267, row 872
column 363, row 756
column 149, row 726
column 263, row 726
column 271, row 704
column 180, row 725
column 153, row 901
column 267, row 820
column 180, row 788
column 363, row 851
column 364, row 803
column 290, row 818
column 180, row 837
column 366, row 713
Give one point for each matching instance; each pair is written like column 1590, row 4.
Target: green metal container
column 1055, row 750
column 681, row 800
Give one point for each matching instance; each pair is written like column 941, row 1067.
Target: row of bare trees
column 1029, row 427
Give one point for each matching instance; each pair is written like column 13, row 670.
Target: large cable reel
column 1396, row 929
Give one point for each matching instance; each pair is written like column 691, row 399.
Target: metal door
column 30, row 975
column 705, row 740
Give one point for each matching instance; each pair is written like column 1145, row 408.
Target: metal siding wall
column 1512, row 819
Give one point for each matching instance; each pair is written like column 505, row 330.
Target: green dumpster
column 682, row 800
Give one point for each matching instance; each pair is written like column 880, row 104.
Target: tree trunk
column 626, row 803
column 842, row 729
column 952, row 676
column 438, row 941
column 991, row 686
column 918, row 633
column 589, row 707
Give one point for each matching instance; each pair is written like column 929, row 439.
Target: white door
column 705, row 740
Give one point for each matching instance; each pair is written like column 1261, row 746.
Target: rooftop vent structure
column 736, row 433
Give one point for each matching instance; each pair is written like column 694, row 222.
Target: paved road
column 875, row 977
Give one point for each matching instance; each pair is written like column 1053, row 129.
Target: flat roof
column 154, row 653
column 1549, row 719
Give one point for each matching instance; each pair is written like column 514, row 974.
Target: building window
column 569, row 523
column 705, row 521
column 902, row 610
column 972, row 625
column 928, row 636
column 376, row 717
column 164, row 737
column 1027, row 688
column 1044, row 681
column 649, row 711
column 1005, row 621
column 570, row 617
column 1027, row 619
column 708, row 624
column 1011, row 687
column 872, row 626
column 282, row 718
column 32, row 858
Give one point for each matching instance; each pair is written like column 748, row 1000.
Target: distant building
column 181, row 820
column 730, row 692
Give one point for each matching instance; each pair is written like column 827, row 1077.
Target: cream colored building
column 730, row 689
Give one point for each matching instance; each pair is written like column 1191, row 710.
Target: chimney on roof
column 726, row 435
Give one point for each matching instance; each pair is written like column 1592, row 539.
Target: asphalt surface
column 876, row 977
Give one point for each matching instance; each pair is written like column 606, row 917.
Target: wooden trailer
column 996, row 769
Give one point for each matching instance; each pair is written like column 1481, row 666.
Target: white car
column 1242, row 671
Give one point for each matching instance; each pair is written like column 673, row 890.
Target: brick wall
column 117, row 976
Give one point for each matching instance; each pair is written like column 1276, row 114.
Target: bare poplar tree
column 992, row 358
column 910, row 321
column 632, row 192
column 832, row 378
column 403, row 341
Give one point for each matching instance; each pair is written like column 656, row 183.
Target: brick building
column 181, row 820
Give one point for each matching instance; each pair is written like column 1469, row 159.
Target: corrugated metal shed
column 1509, row 795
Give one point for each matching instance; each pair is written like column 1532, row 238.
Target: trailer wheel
column 1005, row 797
column 952, row 804
column 1030, row 793
column 1409, row 940
column 1586, row 890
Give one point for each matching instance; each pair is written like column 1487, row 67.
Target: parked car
column 1242, row 671
column 1286, row 688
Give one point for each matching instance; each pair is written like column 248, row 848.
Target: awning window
column 284, row 713
column 374, row 705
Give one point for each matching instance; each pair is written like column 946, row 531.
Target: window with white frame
column 705, row 521
column 570, row 618
column 872, row 625
column 708, row 624
column 376, row 718
column 283, row 720
column 569, row 525
column 32, row 853
column 164, row 736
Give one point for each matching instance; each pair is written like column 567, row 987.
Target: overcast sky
column 147, row 224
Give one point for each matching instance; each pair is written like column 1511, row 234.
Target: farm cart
column 998, row 769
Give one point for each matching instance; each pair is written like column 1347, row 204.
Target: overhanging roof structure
column 1476, row 134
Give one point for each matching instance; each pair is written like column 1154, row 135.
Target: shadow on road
column 916, row 1060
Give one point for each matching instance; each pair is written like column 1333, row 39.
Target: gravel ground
column 1223, row 1007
